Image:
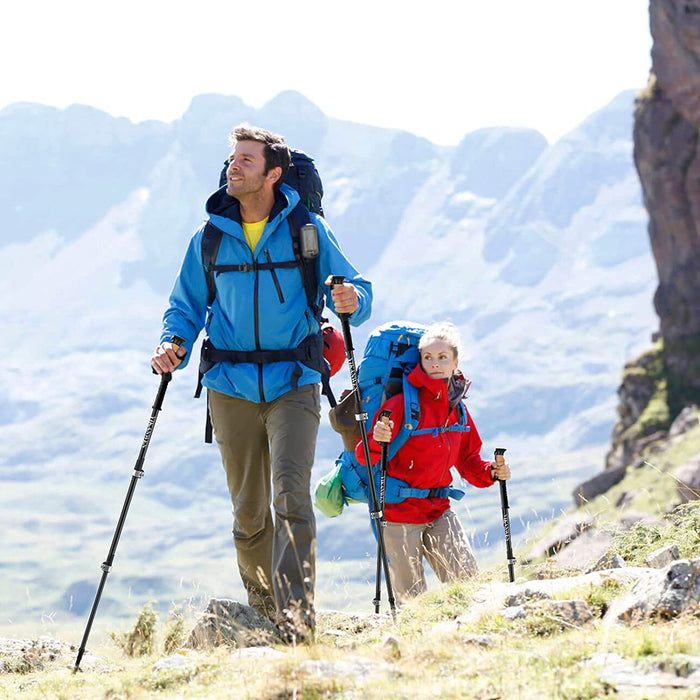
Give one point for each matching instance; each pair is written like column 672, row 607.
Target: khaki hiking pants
column 442, row 542
column 267, row 450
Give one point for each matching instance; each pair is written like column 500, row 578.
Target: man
column 264, row 404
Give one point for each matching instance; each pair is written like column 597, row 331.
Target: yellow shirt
column 253, row 232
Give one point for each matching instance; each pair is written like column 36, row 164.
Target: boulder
column 226, row 622
column 587, row 548
column 661, row 558
column 598, row 484
column 688, row 476
column 609, row 560
column 565, row 531
column 664, row 593
column 687, row 419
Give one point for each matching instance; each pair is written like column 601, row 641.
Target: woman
column 428, row 527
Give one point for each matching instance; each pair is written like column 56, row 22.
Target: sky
column 439, row 69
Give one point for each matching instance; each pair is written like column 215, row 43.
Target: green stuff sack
column 328, row 493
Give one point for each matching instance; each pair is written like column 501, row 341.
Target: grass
column 435, row 647
column 424, row 653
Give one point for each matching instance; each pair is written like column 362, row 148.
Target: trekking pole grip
column 337, row 280
column 178, row 342
column 384, row 417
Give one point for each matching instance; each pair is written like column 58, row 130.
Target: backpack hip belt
column 442, row 492
column 309, row 352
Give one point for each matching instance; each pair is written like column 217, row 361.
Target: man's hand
column 344, row 297
column 166, row 357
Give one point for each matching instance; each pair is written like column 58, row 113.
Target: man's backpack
column 303, row 176
column 390, row 354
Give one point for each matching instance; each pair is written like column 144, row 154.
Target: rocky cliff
column 659, row 384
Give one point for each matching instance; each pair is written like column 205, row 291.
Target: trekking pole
column 500, row 461
column 385, row 417
column 360, row 416
column 136, row 475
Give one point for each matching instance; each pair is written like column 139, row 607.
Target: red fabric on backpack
column 333, row 347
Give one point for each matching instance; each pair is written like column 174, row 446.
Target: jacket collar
column 224, row 206
column 454, row 390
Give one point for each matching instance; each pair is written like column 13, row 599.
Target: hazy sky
column 438, row 69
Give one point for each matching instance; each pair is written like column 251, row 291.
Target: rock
column 490, row 598
column 350, row 666
column 566, row 530
column 609, row 560
column 689, row 477
column 664, row 593
column 29, row 655
column 571, row 612
column 666, row 123
column 392, row 647
column 642, row 410
column 626, row 676
column 663, row 557
column 601, row 483
column 175, row 661
column 515, row 612
column 585, row 549
column 226, row 622
column 525, row 595
column 687, row 419
column 625, row 499
column 628, row 519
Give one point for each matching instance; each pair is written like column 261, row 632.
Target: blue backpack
column 390, row 355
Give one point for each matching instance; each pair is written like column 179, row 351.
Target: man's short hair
column 275, row 151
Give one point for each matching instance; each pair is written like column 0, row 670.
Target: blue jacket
column 250, row 312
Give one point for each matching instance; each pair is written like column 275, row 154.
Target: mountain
column 538, row 252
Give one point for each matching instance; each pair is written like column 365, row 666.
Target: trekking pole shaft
column 361, row 419
column 499, row 459
column 136, row 475
column 384, row 416
column 506, row 528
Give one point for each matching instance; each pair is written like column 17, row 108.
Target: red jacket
column 424, row 461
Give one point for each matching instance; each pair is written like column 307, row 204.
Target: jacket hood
column 223, row 206
column 456, row 387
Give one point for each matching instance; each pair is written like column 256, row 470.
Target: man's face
column 246, row 169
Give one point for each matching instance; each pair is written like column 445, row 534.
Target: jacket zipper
column 274, row 278
column 256, row 322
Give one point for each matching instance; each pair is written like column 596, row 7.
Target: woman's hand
column 382, row 431
column 501, row 473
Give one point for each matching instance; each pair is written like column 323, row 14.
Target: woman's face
column 438, row 360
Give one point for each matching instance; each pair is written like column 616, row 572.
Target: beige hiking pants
column 442, row 542
column 267, row 450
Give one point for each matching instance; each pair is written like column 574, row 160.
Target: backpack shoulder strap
column 211, row 240
column 309, row 272
column 411, row 418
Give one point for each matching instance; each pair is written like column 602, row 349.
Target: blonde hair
column 444, row 331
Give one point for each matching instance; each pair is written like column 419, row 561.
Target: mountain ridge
column 545, row 337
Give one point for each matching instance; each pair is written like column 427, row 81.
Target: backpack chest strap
column 252, row 267
column 456, row 428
